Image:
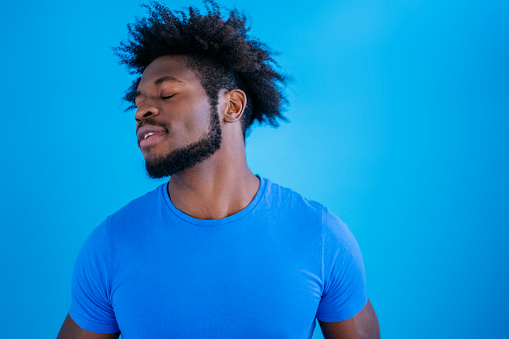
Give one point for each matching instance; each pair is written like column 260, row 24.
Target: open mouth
column 151, row 138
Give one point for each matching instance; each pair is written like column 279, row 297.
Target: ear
column 235, row 106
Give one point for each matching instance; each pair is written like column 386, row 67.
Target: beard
column 186, row 157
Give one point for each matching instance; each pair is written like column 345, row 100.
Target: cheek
column 197, row 118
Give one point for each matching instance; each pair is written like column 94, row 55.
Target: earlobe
column 235, row 107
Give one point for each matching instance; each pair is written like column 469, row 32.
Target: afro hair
column 220, row 51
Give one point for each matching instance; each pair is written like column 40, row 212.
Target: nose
column 146, row 111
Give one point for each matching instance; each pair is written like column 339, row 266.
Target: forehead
column 167, row 66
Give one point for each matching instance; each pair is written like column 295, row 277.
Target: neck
column 216, row 188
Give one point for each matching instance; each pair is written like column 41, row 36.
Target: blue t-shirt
column 152, row 271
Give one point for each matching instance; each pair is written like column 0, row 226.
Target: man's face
column 176, row 125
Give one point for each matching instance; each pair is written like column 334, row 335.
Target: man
column 217, row 252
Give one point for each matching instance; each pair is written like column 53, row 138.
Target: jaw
column 180, row 160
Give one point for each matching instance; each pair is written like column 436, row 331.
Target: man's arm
column 71, row 330
column 364, row 325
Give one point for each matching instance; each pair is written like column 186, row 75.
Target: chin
column 154, row 153
column 152, row 158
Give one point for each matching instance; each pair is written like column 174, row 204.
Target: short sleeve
column 91, row 307
column 344, row 291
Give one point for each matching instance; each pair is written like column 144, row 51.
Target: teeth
column 148, row 134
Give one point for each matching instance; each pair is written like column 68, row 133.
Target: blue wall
column 398, row 124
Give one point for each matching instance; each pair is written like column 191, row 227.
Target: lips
column 149, row 135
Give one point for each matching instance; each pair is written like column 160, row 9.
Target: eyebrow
column 159, row 81
column 166, row 78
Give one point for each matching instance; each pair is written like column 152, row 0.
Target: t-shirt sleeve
column 344, row 291
column 91, row 306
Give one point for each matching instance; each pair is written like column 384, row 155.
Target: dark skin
column 71, row 330
column 219, row 186
column 364, row 325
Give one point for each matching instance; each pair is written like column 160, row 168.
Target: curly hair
column 220, row 51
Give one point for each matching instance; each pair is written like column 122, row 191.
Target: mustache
column 151, row 122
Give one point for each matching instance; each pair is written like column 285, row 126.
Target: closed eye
column 167, row 97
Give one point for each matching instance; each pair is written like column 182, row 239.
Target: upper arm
column 364, row 325
column 344, row 279
column 91, row 297
column 71, row 330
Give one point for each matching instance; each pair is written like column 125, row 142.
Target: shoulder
column 334, row 229
column 281, row 196
column 126, row 220
column 140, row 207
column 335, row 236
column 128, row 224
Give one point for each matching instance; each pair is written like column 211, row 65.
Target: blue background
column 398, row 124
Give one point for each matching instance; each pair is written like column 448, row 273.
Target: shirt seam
column 108, row 288
column 322, row 249
column 345, row 314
